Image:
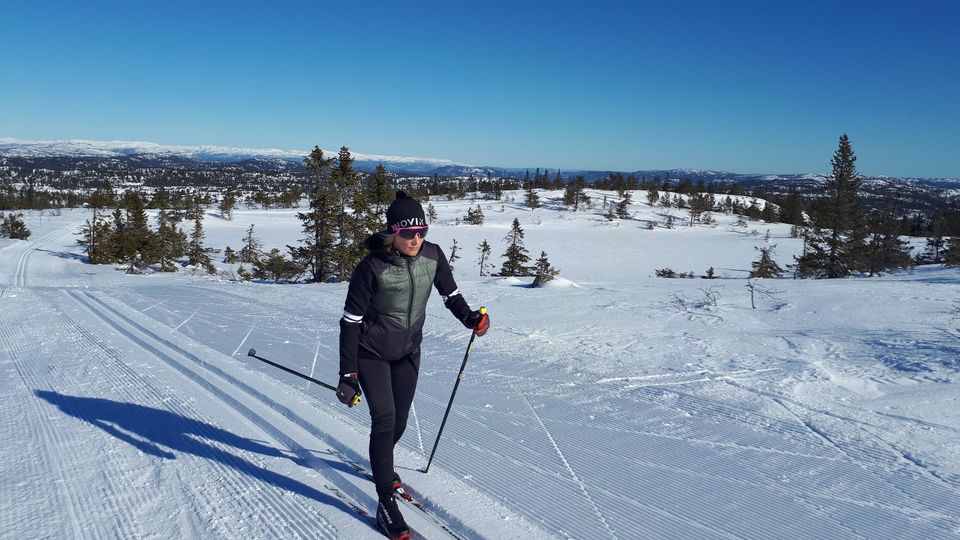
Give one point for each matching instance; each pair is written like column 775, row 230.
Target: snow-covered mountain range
column 411, row 165
column 223, row 154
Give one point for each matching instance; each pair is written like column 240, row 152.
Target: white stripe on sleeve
column 351, row 318
column 454, row 293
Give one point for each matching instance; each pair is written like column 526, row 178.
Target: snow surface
column 610, row 404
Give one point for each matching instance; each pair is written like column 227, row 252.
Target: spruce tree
column 531, row 198
column 575, row 193
column 197, row 253
column 516, row 254
column 14, row 227
column 935, row 247
column 884, row 250
column 483, row 261
column 115, row 245
column 316, row 252
column 136, row 245
column 454, row 254
column 835, row 245
column 137, row 231
column 765, row 266
column 252, row 247
column 379, row 193
column 95, row 237
column 349, row 230
column 543, row 270
column 431, row 213
column 623, row 207
column 474, row 217
column 699, row 204
column 227, row 203
column 275, row 266
column 951, row 257
column 95, row 233
column 653, row 196
column 171, row 242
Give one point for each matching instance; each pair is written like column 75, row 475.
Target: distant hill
column 123, row 156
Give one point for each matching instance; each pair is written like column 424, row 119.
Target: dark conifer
column 484, row 259
column 516, row 254
column 454, row 254
column 884, row 250
column 835, row 246
column 14, row 227
column 252, row 248
column 765, row 266
column 531, row 198
column 197, row 253
column 316, row 252
column 543, row 270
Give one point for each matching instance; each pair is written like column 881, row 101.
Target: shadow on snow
column 163, row 433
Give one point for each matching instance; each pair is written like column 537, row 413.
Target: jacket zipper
column 412, row 285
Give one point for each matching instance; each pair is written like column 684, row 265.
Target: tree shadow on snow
column 163, row 434
column 66, row 255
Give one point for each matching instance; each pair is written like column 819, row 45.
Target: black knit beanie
column 405, row 212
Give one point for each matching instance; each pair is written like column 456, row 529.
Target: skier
column 380, row 335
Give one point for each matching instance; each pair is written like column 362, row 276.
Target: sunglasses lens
column 409, row 234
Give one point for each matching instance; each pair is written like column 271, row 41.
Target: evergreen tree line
column 28, row 197
column 124, row 235
column 284, row 190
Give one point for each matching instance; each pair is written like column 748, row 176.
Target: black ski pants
column 388, row 386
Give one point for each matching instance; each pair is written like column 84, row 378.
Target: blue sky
column 749, row 87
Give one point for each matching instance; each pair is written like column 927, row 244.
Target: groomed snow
column 609, row 404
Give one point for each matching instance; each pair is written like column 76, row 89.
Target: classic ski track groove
column 235, row 475
column 305, row 455
column 232, row 476
column 566, row 464
column 51, row 439
column 19, row 278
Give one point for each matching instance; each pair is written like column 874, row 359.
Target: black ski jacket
column 387, row 302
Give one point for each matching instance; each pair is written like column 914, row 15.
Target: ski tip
column 251, row 352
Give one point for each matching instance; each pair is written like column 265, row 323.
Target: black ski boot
column 391, row 520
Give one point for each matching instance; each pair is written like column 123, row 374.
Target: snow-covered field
column 609, row 404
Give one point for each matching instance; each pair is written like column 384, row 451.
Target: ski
column 407, row 498
column 347, row 500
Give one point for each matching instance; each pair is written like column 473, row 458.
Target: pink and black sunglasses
column 409, row 233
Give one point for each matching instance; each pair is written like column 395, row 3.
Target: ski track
column 51, row 442
column 235, row 476
column 20, row 273
column 130, row 329
column 566, row 464
column 281, row 518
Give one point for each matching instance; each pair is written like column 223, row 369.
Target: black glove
column 348, row 391
column 478, row 321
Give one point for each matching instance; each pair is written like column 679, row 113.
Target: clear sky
column 752, row 87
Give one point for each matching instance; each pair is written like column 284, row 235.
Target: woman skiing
column 380, row 335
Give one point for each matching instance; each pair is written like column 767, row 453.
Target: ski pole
column 456, row 385
column 253, row 353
